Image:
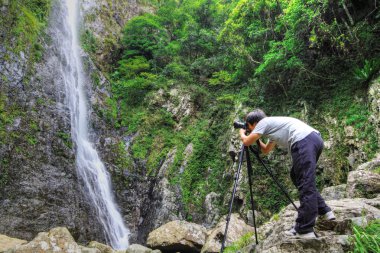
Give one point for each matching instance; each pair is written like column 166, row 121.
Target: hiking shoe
column 328, row 216
column 292, row 233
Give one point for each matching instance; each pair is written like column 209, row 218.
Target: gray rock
column 211, row 209
column 334, row 192
column 136, row 248
column 332, row 234
column 56, row 240
column 102, row 248
column 181, row 236
column 9, row 243
column 374, row 102
column 364, row 182
column 236, row 229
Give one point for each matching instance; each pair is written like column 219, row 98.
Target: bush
column 144, row 35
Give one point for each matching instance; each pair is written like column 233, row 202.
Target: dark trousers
column 305, row 154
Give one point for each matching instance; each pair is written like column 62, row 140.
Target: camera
column 238, row 124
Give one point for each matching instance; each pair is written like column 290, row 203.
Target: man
column 305, row 145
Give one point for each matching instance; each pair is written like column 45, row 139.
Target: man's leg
column 304, row 154
column 323, row 208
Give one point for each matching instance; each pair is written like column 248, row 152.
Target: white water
column 89, row 166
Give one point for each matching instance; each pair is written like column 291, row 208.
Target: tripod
column 245, row 150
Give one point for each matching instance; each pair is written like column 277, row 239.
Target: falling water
column 89, row 166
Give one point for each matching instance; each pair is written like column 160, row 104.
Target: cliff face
column 40, row 187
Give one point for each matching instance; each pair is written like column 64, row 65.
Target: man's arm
column 248, row 140
column 266, row 148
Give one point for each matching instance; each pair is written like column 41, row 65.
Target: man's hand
column 248, row 139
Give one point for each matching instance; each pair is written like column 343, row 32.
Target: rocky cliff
column 40, row 187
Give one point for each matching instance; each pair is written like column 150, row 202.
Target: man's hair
column 255, row 116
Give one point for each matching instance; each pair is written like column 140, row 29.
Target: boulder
column 211, row 209
column 236, row 229
column 333, row 235
column 8, row 242
column 178, row 236
column 89, row 250
column 136, row 248
column 58, row 240
column 334, row 192
column 364, row 181
column 101, row 247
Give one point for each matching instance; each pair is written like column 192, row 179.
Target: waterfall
column 90, row 167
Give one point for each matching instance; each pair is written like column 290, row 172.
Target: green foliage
column 244, row 241
column 24, row 21
column 269, row 53
column 367, row 72
column 221, row 78
column 144, row 35
column 134, row 90
column 176, row 71
column 367, row 239
column 88, row 41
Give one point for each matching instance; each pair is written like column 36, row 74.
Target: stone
column 57, row 240
column 187, row 153
column 334, row 192
column 374, row 102
column 136, row 248
column 333, row 235
column 89, row 250
column 211, row 209
column 236, row 229
column 181, row 236
column 364, row 181
column 9, row 242
column 101, row 247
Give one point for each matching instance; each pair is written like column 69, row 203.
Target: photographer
column 305, row 145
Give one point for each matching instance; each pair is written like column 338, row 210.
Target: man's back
column 285, row 131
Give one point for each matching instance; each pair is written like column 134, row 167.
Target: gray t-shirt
column 285, row 131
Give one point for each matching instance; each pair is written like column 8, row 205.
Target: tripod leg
column 274, row 179
column 249, row 167
column 233, row 195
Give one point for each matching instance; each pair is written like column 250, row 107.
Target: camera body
column 238, row 124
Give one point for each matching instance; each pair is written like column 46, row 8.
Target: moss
column 25, row 21
column 242, row 242
column 66, row 138
column 88, row 41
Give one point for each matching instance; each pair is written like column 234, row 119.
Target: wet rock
column 178, row 236
column 236, row 229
